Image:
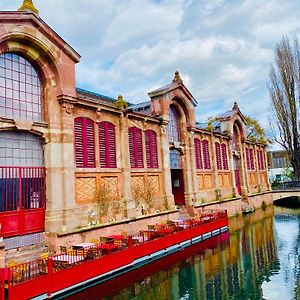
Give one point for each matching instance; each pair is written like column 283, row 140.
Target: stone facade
column 74, row 193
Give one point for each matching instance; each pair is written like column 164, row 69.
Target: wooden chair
column 43, row 266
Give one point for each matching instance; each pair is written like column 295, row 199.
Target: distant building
column 279, row 165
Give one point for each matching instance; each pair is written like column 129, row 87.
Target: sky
column 223, row 49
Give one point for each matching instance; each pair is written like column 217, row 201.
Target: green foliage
column 255, row 132
column 288, row 173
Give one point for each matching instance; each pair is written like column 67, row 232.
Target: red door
column 178, row 186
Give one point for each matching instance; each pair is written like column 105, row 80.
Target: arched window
column 224, row 157
column 205, row 151
column 135, row 147
column 218, row 156
column 107, row 145
column 198, row 155
column 84, row 143
column 20, row 89
column 151, row 149
column 173, row 125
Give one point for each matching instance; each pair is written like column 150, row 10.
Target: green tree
column 284, row 91
column 255, row 132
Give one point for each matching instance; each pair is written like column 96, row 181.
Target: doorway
column 177, row 177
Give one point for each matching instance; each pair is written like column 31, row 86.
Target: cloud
column 223, row 49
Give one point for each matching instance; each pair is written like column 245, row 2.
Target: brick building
column 67, row 154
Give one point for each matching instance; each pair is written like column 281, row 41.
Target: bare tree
column 285, row 91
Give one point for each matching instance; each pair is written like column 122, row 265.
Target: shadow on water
column 259, row 261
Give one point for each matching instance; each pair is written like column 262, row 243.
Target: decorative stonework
column 153, row 181
column 200, row 182
column 85, row 190
column 208, row 181
column 28, row 6
column 111, row 183
column 137, row 184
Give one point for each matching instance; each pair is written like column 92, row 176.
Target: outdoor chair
column 43, row 266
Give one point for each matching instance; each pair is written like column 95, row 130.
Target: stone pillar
column 166, row 171
column 125, row 168
column 243, row 172
column 61, row 213
column 231, row 168
column 257, row 170
column 190, row 173
column 215, row 169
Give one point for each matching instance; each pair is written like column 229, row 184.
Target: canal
column 258, row 259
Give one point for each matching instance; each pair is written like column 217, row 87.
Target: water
column 260, row 260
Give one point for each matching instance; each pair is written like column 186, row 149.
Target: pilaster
column 166, row 171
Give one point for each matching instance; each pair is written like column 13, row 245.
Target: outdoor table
column 65, row 260
column 83, row 246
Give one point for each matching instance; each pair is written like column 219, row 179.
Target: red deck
column 34, row 283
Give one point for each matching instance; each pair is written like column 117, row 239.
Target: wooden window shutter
column 224, row 157
column 198, row 156
column 251, row 158
column 151, row 149
column 135, row 147
column 206, row 157
column 218, row 156
column 247, row 158
column 107, row 145
column 78, row 143
column 89, row 144
column 84, row 140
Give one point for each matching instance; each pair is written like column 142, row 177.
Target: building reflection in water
column 215, row 269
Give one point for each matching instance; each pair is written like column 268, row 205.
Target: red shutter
column 107, row 145
column 89, row 139
column 251, row 158
column 260, row 159
column 84, row 143
column 247, row 158
column 198, row 154
column 206, row 157
column 139, row 148
column 131, row 146
column 224, row 156
column 78, row 143
column 151, row 149
column 111, row 145
column 135, row 147
column 218, row 156
column 102, row 144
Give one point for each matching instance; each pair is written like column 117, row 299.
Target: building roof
column 94, row 96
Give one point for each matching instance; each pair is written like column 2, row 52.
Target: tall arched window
column 135, row 147
column 20, row 89
column 107, row 145
column 205, row 151
column 224, row 157
column 198, row 155
column 247, row 158
column 218, row 156
column 151, row 149
column 84, row 143
column 173, row 125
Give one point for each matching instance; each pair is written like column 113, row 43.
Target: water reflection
column 251, row 265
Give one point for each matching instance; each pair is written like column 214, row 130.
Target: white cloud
column 223, row 49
